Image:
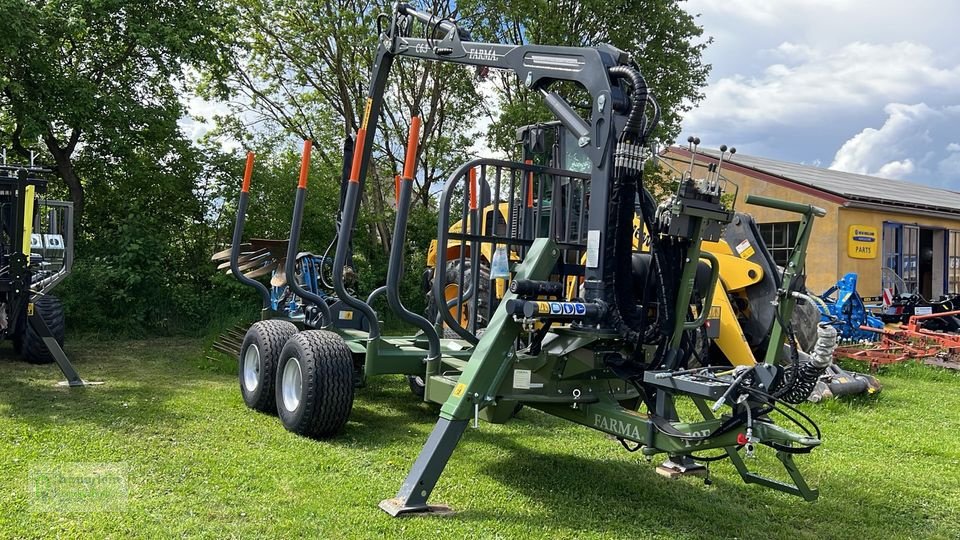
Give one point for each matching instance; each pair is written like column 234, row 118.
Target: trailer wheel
column 32, row 347
column 257, row 363
column 314, row 385
column 417, row 385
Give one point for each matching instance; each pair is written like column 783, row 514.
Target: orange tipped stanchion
column 413, row 145
column 305, row 163
column 396, row 190
column 357, row 156
column 247, row 173
column 473, row 188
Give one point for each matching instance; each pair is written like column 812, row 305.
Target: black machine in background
column 36, row 254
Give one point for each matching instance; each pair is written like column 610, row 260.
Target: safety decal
column 745, row 249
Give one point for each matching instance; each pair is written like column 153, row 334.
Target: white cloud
column 815, row 84
column 798, row 79
column 897, row 169
column 767, row 12
column 953, row 147
column 949, row 169
column 903, row 146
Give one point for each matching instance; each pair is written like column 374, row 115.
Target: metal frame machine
column 612, row 353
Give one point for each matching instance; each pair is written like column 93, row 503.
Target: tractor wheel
column 452, row 290
column 314, row 386
column 258, row 362
column 32, row 347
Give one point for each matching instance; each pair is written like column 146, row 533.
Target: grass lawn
column 197, row 463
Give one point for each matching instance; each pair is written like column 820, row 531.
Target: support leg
column 40, row 327
column 416, row 489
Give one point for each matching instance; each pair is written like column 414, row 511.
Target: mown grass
column 199, row 464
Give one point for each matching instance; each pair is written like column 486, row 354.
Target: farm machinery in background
column 616, row 352
column 907, row 327
column 36, row 254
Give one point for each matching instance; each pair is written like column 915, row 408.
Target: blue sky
column 871, row 87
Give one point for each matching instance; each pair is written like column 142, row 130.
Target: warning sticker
column 459, row 390
column 593, row 249
column 346, row 315
column 543, row 307
column 366, row 114
column 521, row 379
column 745, row 249
column 923, row 310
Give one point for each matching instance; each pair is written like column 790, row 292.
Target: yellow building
column 871, row 224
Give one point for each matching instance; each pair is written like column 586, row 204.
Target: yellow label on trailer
column 29, row 193
column 30, row 309
column 459, row 390
column 366, row 113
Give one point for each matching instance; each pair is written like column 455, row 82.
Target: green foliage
column 96, row 87
column 100, row 78
column 99, row 88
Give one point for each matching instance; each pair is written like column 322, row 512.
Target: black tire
column 417, row 386
column 804, row 321
column 452, row 277
column 32, row 347
column 257, row 362
column 314, row 384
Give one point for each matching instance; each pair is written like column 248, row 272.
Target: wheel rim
column 251, row 368
column 291, row 385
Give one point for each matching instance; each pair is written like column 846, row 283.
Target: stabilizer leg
column 40, row 327
column 416, row 489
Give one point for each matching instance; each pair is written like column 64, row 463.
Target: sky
column 864, row 86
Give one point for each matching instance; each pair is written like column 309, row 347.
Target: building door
column 901, row 253
column 922, row 258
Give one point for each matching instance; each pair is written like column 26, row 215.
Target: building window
column 780, row 239
column 953, row 264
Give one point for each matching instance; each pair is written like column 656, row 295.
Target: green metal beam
column 494, row 354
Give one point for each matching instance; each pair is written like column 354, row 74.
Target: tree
column 662, row 38
column 304, row 68
column 101, row 77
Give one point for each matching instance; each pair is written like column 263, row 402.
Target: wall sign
column 862, row 242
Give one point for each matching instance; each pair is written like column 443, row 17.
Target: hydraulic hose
column 627, row 173
column 635, row 119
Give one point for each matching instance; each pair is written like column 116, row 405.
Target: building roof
column 851, row 186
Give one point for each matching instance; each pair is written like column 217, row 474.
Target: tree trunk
column 62, row 157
